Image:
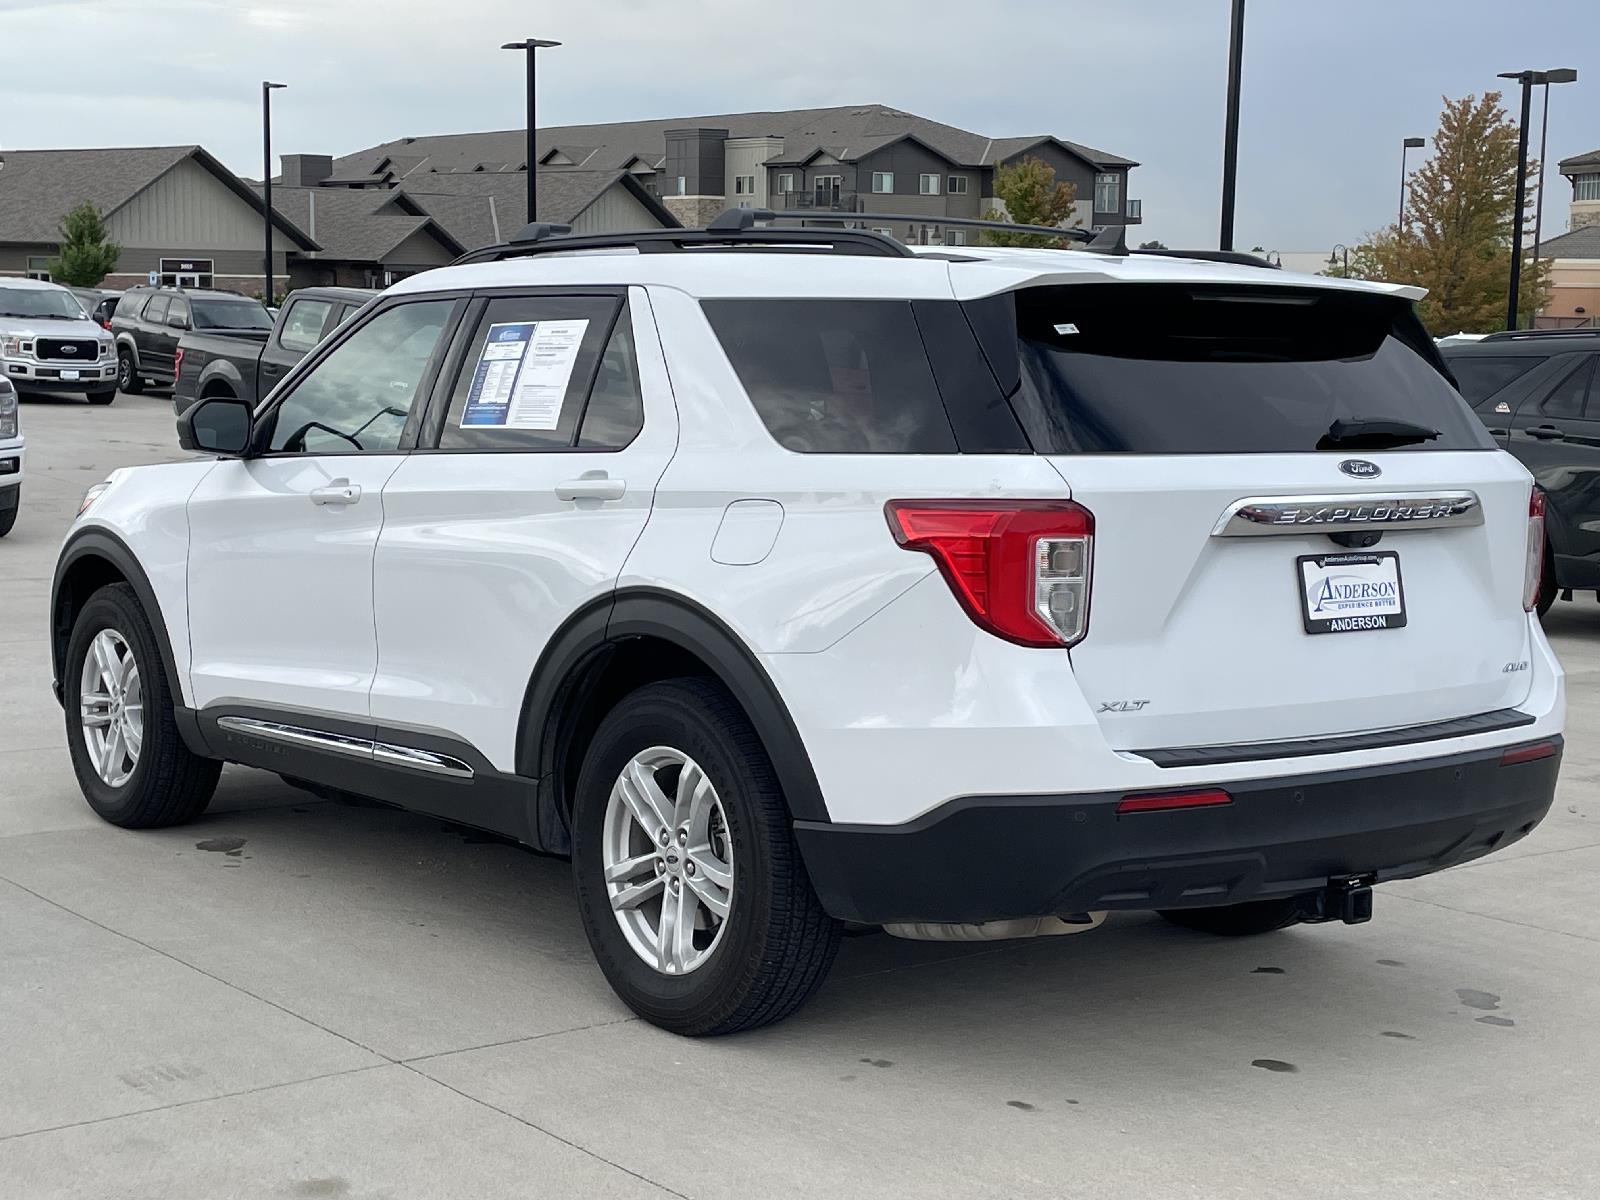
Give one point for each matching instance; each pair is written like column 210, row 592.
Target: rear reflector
column 1529, row 753
column 1166, row 801
column 1533, row 573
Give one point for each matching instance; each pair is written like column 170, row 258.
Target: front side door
column 545, row 452
column 281, row 543
column 1556, row 435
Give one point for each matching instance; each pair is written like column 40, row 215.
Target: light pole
column 1411, row 143
column 1560, row 75
column 1333, row 257
column 531, row 46
column 266, row 179
column 1230, row 133
column 1527, row 79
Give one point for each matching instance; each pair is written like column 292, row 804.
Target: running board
column 367, row 749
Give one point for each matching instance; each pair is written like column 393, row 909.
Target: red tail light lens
column 177, row 362
column 1020, row 568
column 1529, row 753
column 1167, row 801
column 1533, row 574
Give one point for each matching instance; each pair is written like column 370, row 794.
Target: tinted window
column 356, row 400
column 1480, row 377
column 231, row 314
column 835, row 376
column 177, row 312
column 156, row 310
column 615, row 413
column 131, row 303
column 303, row 324
column 1566, row 399
column 527, row 373
column 1174, row 369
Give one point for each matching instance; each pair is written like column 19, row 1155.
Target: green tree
column 1456, row 241
column 1032, row 197
column 1153, row 245
column 88, row 254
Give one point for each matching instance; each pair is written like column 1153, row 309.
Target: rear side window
column 1180, row 369
column 1480, row 377
column 156, row 311
column 835, row 376
column 130, row 304
column 1567, row 398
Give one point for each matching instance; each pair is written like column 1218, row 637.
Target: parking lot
column 292, row 997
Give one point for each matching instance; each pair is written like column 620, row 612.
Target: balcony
column 1135, row 213
column 822, row 200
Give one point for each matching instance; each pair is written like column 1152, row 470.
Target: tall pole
column 1521, row 200
column 1406, row 146
column 266, row 184
column 530, row 47
column 1230, row 136
column 1538, row 204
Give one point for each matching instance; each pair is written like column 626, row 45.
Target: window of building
column 744, row 185
column 786, row 182
column 883, row 181
column 825, row 190
column 39, row 268
column 883, row 229
column 956, row 185
column 187, row 272
column 357, row 399
column 1586, row 187
column 955, row 237
column 1107, row 193
column 683, row 185
column 928, row 185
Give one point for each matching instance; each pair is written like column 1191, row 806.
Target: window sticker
column 522, row 374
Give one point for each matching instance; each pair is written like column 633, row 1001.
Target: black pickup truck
column 247, row 363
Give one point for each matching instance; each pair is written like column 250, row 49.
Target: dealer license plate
column 1348, row 593
column 69, row 374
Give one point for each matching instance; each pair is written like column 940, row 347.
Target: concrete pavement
column 297, row 998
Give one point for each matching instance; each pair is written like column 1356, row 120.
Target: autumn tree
column 1032, row 197
column 1154, row 245
column 1456, row 241
column 87, row 254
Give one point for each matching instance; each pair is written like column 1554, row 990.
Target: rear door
column 1556, row 435
column 1216, row 435
column 536, row 476
column 149, row 334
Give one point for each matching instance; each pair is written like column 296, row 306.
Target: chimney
column 306, row 170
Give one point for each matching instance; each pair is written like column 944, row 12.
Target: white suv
column 787, row 579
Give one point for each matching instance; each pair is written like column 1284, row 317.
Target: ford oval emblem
column 1360, row 468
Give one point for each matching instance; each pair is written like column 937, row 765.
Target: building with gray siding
column 853, row 158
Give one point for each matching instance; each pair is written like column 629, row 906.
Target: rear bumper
column 986, row 858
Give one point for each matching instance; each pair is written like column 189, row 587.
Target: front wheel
column 8, row 515
column 105, row 396
column 132, row 765
column 689, row 881
column 127, row 373
column 1239, row 920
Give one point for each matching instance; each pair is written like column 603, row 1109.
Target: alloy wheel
column 668, row 860
column 111, row 707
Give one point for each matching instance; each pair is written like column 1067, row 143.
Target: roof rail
column 1238, row 257
column 1507, row 335
column 1109, row 236
column 734, row 229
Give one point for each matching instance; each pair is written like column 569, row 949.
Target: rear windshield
column 1179, row 369
column 230, row 314
column 1480, row 376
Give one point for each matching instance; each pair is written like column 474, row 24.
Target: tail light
column 1533, row 572
column 1020, row 568
column 177, row 362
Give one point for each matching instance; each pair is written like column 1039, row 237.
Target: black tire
column 777, row 943
column 1239, row 920
column 103, row 397
column 8, row 517
column 1547, row 581
column 169, row 784
column 127, row 373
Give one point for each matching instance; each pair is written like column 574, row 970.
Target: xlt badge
column 1122, row 705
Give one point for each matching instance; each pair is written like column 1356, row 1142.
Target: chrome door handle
column 591, row 487
column 339, row 493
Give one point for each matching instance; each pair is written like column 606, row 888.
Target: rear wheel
column 1238, row 920
column 127, row 373
column 689, row 881
column 1547, row 581
column 131, row 762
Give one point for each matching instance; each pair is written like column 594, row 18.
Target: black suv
column 1538, row 393
column 149, row 321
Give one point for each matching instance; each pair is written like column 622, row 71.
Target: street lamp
column 1560, row 75
column 530, row 46
column 1411, row 143
column 1230, row 134
column 1333, row 257
column 1527, row 79
column 266, row 179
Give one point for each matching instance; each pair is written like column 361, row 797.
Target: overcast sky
column 1330, row 89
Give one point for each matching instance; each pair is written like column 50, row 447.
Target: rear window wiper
column 1373, row 433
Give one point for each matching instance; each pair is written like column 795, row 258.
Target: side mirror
column 216, row 425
